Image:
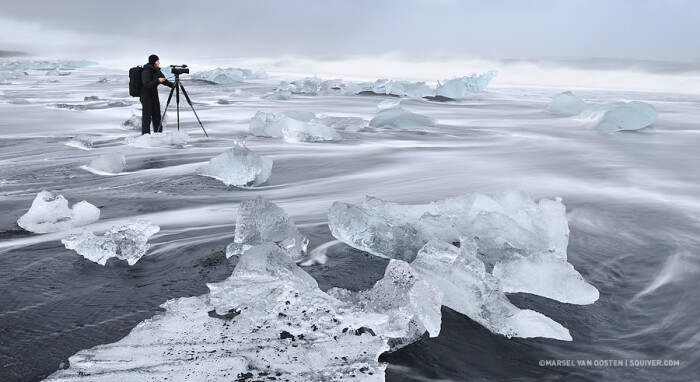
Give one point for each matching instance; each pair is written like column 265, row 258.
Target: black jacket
column 149, row 81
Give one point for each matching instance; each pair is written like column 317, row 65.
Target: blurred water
column 633, row 201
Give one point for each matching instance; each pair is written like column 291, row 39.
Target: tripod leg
column 194, row 111
column 177, row 100
column 160, row 128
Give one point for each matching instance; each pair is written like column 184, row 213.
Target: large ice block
column 456, row 88
column 52, row 214
column 167, row 139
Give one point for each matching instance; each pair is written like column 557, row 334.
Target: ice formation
column 508, row 227
column 411, row 304
column 566, row 104
column 293, row 126
column 261, row 221
column 125, row 243
column 166, row 139
column 90, row 105
column 133, row 123
column 229, row 75
column 608, row 118
column 456, row 88
column 268, row 320
column 111, row 163
column 469, row 289
column 82, row 141
column 629, row 116
column 52, row 214
column 351, row 124
column 398, row 118
column 239, row 166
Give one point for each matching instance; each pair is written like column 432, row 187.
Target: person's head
column 154, row 60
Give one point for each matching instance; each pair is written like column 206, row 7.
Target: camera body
column 179, row 69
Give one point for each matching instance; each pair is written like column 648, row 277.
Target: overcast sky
column 333, row 29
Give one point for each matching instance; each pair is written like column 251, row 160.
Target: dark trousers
column 151, row 112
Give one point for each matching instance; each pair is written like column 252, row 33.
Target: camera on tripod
column 179, row 69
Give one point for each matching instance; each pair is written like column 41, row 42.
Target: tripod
column 176, row 88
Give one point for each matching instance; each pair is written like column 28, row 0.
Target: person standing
column 151, row 77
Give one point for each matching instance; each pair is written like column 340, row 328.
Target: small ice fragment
column 630, row 116
column 125, row 243
column 52, row 214
column 566, row 104
column 112, row 163
column 82, row 141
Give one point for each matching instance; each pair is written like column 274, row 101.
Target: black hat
column 152, row 59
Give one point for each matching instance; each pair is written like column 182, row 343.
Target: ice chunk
column 469, row 289
column 52, row 214
column 309, row 86
column 506, row 226
column 239, row 166
column 56, row 72
column 260, row 221
column 630, row 116
column 279, row 95
column 133, row 123
column 291, row 125
column 220, row 76
column 125, row 243
column 499, row 221
column 456, row 88
column 412, row 305
column 268, row 319
column 170, row 138
column 297, row 131
column 12, row 74
column 545, row 275
column 341, row 123
column 229, row 76
column 82, row 141
column 111, row 163
column 566, row 104
column 398, row 118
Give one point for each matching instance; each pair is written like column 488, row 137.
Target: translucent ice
column 166, row 139
column 412, row 305
column 297, row 131
column 112, row 163
column 545, row 275
column 630, row 116
column 239, row 166
column 229, row 75
column 52, row 214
column 261, row 221
column 504, row 220
column 125, row 243
column 293, row 126
column 269, row 318
column 566, row 104
column 456, row 88
column 507, row 227
column 398, row 118
column 82, row 141
column 469, row 289
column 341, row 123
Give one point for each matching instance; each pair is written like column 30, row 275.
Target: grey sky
column 331, row 29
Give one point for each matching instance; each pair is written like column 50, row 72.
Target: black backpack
column 135, row 81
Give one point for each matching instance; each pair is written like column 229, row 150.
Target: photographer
column 151, row 77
